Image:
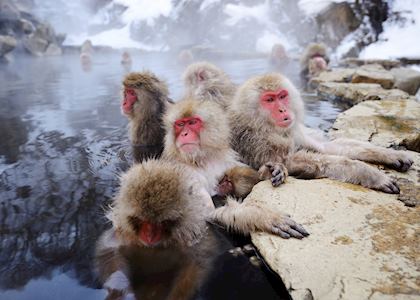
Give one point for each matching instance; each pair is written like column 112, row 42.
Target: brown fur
column 309, row 67
column 146, row 132
column 259, row 141
column 159, row 192
column 205, row 81
column 213, row 160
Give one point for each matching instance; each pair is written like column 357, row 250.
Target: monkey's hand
column 276, row 172
column 398, row 160
column 285, row 227
column 247, row 217
column 118, row 286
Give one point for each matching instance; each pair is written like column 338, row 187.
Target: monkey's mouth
column 190, row 147
column 284, row 123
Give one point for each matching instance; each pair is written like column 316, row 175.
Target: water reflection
column 63, row 143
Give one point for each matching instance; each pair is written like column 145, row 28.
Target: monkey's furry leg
column 398, row 160
column 245, row 218
column 307, row 165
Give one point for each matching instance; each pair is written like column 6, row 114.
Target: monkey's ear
column 201, row 75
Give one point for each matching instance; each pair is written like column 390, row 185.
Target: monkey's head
column 316, row 65
column 196, row 131
column 156, row 206
column 142, row 94
column 269, row 99
column 314, row 50
column 278, row 53
column 206, row 81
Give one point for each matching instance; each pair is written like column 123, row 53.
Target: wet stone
column 353, row 93
column 374, row 73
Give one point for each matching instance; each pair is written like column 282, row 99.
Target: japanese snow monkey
column 314, row 60
column 145, row 99
column 197, row 136
column 267, row 126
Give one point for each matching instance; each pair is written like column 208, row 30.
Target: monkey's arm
column 187, row 282
column 398, row 160
column 364, row 151
column 307, row 165
column 111, row 266
column 245, row 218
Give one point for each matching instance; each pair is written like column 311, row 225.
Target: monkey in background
column 185, row 57
column 205, row 81
column 267, row 126
column 160, row 246
column 314, row 60
column 198, row 136
column 86, row 51
column 126, row 60
column 145, row 99
column 278, row 55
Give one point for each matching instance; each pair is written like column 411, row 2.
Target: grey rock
column 335, row 75
column 35, row 45
column 384, row 123
column 335, row 22
column 373, row 73
column 26, row 26
column 356, row 62
column 53, row 50
column 406, row 79
column 353, row 93
column 7, row 44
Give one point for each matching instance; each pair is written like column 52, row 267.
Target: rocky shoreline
column 363, row 243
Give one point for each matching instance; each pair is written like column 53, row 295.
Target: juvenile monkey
column 160, row 246
column 267, row 124
column 197, row 136
column 205, row 81
column 314, row 60
column 145, row 99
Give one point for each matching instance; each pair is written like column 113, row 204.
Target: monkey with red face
column 267, row 125
column 160, row 246
column 145, row 99
column 197, row 136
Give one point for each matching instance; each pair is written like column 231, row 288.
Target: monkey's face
column 129, row 99
column 277, row 104
column 316, row 65
column 187, row 134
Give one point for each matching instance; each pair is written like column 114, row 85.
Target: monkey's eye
column 192, row 122
column 269, row 99
column 282, row 96
column 180, row 124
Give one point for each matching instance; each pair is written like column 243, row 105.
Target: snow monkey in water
column 267, row 125
column 160, row 246
column 205, row 81
column 145, row 99
column 314, row 60
column 197, row 136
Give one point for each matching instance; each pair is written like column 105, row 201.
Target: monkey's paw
column 118, row 286
column 276, row 172
column 386, row 184
column 285, row 227
column 399, row 160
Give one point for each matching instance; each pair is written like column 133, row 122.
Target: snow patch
column 396, row 40
column 313, row 7
column 240, row 12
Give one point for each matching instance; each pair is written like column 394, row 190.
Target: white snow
column 139, row 10
column 238, row 12
column 207, row 3
column 115, row 38
column 396, row 40
column 312, row 7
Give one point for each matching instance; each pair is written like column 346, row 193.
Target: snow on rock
column 398, row 40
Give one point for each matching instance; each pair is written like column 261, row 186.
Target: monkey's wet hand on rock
column 400, row 161
column 286, row 228
column 276, row 172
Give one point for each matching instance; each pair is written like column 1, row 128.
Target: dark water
column 63, row 142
